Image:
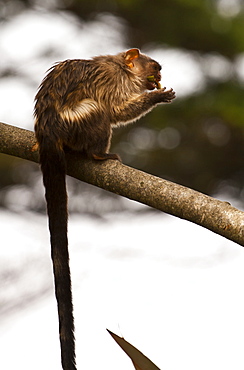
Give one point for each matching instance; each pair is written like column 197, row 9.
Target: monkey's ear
column 130, row 55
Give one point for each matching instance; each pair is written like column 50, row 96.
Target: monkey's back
column 105, row 79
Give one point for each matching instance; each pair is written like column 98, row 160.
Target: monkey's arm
column 140, row 105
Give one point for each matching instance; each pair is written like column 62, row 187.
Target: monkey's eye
column 156, row 67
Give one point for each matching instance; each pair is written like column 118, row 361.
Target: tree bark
column 215, row 215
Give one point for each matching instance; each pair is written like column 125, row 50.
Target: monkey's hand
column 163, row 95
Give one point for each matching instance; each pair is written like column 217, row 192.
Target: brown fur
column 77, row 105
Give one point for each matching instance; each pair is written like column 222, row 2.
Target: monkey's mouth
column 153, row 83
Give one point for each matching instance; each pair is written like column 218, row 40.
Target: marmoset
column 77, row 105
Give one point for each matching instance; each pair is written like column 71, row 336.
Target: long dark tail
column 53, row 165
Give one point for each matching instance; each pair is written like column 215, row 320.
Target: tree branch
column 217, row 216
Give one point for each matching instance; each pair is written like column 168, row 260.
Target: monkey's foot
column 105, row 156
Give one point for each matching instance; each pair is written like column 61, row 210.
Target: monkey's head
column 144, row 67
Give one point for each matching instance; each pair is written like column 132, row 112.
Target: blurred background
column 196, row 141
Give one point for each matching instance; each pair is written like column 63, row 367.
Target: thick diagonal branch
column 177, row 200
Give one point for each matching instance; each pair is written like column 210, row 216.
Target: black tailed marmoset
column 77, row 105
